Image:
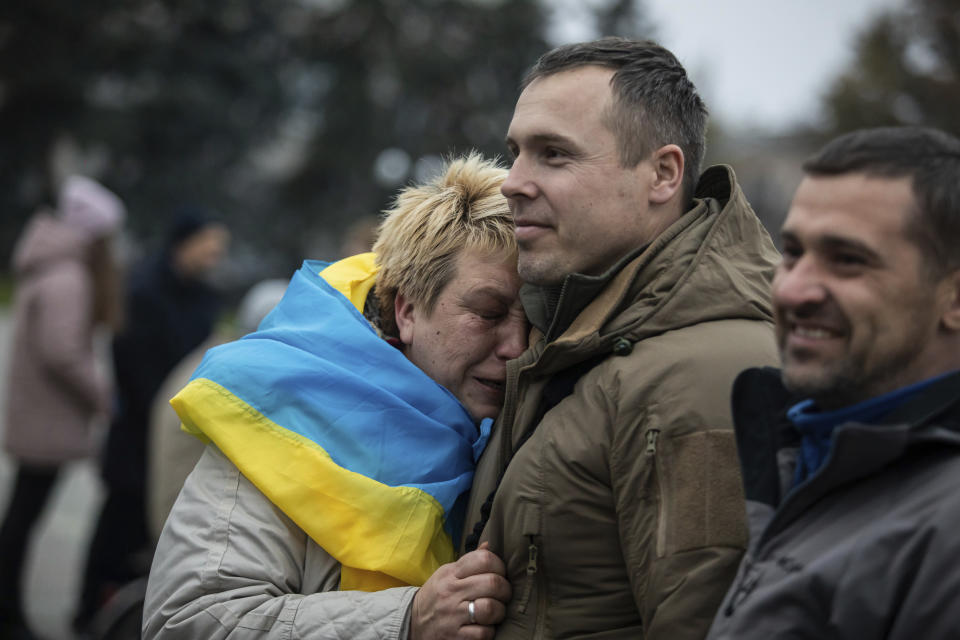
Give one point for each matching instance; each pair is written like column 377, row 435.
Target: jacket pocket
column 701, row 492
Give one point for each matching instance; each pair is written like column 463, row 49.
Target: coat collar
column 931, row 417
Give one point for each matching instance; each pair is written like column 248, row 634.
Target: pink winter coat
column 54, row 388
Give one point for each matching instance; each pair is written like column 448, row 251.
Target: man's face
column 857, row 313
column 200, row 254
column 575, row 208
column 476, row 325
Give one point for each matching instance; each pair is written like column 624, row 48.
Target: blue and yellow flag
column 360, row 448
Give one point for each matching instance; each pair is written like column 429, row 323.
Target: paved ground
column 55, row 559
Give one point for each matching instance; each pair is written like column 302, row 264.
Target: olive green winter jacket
column 621, row 513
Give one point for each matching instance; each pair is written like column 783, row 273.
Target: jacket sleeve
column 677, row 485
column 229, row 564
column 63, row 336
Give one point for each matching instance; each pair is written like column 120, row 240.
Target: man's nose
column 512, row 340
column 799, row 284
column 519, row 182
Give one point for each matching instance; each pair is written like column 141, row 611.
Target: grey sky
column 760, row 64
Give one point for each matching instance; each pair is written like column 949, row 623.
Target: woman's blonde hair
column 428, row 226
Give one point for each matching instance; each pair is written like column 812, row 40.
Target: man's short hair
column 654, row 102
column 428, row 227
column 930, row 157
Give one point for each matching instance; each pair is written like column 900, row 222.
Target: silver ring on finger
column 472, row 611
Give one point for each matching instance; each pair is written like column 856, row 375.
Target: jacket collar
column 763, row 434
column 553, row 309
column 760, row 403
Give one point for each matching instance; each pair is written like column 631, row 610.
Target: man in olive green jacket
column 611, row 487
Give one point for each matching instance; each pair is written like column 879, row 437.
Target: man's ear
column 405, row 316
column 668, row 164
column 951, row 315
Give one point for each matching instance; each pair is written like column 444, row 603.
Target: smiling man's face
column 576, row 209
column 857, row 312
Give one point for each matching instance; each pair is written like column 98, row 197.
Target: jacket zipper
column 509, row 412
column 652, row 436
column 548, row 336
column 532, row 552
column 538, row 630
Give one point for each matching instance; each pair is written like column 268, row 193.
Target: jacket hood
column 90, row 208
column 716, row 262
column 46, row 241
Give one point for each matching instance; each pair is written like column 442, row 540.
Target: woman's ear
column 406, row 316
column 668, row 165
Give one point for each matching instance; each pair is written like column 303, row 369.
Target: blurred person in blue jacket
column 171, row 309
column 171, row 452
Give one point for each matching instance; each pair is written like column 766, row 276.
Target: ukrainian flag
column 360, row 448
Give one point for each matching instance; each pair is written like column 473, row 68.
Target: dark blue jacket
column 167, row 317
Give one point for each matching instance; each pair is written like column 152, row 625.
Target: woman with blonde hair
column 344, row 434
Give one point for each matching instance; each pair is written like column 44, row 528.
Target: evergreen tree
column 906, row 71
column 404, row 84
column 291, row 118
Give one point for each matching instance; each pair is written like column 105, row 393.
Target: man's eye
column 849, row 259
column 551, row 153
column 791, row 253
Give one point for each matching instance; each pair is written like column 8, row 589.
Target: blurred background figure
column 66, row 287
column 172, row 453
column 171, row 456
column 359, row 236
column 171, row 310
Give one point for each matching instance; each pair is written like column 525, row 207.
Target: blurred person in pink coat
column 66, row 287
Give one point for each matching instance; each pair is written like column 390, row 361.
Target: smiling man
column 852, row 491
column 610, row 487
